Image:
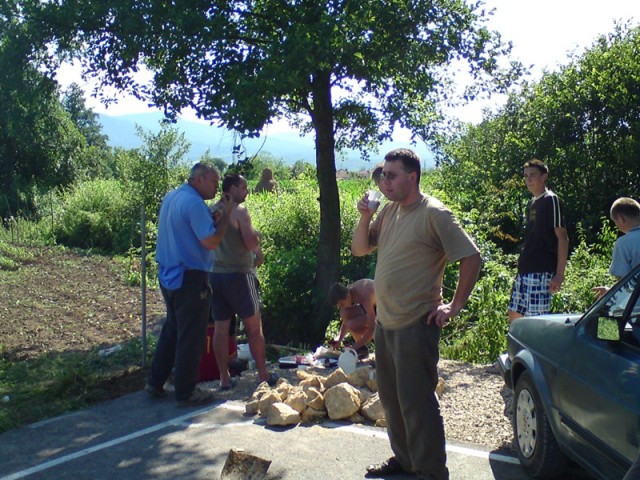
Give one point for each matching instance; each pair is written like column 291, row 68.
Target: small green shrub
column 95, row 214
column 289, row 224
column 25, row 231
column 133, row 259
column 287, row 295
column 478, row 334
column 588, row 267
column 11, row 256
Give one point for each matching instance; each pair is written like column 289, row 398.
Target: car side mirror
column 608, row 329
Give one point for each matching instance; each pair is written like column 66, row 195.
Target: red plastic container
column 208, row 364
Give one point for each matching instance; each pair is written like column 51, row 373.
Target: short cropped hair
column 200, row 169
column 410, row 160
column 539, row 164
column 376, row 174
column 627, row 207
column 336, row 293
column 230, row 180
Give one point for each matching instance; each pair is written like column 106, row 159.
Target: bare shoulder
column 242, row 214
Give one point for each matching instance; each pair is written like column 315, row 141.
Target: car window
column 617, row 303
column 616, row 318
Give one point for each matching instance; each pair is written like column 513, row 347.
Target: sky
column 543, row 33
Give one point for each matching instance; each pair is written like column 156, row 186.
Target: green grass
column 11, row 256
column 51, row 385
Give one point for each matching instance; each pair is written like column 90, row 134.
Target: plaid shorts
column 531, row 295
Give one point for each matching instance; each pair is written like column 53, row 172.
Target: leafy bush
column 478, row 334
column 588, row 267
column 289, row 224
column 25, row 231
column 132, row 260
column 94, row 214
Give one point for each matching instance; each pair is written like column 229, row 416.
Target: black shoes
column 226, row 388
column 157, row 392
column 384, row 469
column 273, row 379
column 363, row 352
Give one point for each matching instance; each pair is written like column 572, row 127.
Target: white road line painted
column 111, row 443
column 180, row 421
column 471, row 452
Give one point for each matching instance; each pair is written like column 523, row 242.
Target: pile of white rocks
column 337, row 396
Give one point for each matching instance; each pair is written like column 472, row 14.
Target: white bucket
column 244, row 353
column 348, row 360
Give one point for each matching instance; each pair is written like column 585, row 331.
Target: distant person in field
column 186, row 237
column 267, row 183
column 357, row 304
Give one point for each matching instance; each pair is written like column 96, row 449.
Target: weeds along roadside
column 55, row 383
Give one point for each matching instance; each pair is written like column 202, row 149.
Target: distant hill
column 288, row 146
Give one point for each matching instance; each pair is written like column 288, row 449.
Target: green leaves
column 583, row 120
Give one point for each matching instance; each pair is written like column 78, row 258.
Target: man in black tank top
column 235, row 286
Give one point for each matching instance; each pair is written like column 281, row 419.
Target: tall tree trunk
column 328, row 266
column 8, row 199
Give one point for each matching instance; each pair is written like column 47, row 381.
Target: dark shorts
column 234, row 293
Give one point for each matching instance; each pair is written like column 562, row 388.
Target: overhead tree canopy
column 348, row 70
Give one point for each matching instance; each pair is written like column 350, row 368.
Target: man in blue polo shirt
column 186, row 237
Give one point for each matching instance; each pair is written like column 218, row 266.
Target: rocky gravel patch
column 475, row 405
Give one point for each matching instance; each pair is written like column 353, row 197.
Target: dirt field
column 65, row 301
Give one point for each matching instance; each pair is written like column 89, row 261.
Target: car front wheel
column 537, row 448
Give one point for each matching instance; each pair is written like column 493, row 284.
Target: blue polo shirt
column 184, row 220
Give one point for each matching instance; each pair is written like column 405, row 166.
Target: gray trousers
column 183, row 337
column 406, row 373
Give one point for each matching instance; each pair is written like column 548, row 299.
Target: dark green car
column 576, row 383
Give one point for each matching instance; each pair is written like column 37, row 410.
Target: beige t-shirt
column 414, row 243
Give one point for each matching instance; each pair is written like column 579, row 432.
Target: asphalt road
column 135, row 437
